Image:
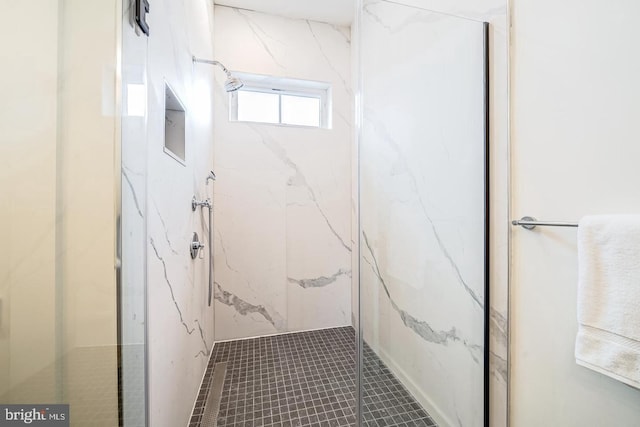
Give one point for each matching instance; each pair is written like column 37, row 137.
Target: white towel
column 608, row 338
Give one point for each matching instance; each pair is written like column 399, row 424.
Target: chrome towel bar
column 530, row 223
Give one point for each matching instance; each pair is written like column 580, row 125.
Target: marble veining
column 420, row 327
column 166, row 278
column 345, row 32
column 347, row 88
column 499, row 367
column 486, row 10
column 254, row 28
column 418, row 17
column 164, row 229
column 297, row 179
column 203, row 338
column 499, row 327
column 402, row 162
column 225, row 256
column 188, row 329
column 245, row 308
column 499, row 331
column 227, row 263
column 125, row 175
column 321, row 281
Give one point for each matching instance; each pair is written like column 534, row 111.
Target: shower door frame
column 487, row 226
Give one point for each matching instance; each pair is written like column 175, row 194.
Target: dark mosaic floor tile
column 307, row 379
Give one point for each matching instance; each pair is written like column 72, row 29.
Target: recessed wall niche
column 174, row 125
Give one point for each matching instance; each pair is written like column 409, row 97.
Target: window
column 281, row 101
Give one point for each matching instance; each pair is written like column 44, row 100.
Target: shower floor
column 304, row 379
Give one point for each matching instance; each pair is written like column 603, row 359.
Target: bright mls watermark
column 35, row 415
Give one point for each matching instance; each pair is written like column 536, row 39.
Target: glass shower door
column 59, row 210
column 423, row 216
column 28, row 324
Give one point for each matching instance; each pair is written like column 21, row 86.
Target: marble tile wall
column 283, row 194
column 425, row 344
column 157, row 219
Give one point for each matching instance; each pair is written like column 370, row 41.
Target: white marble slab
column 283, row 195
column 157, row 219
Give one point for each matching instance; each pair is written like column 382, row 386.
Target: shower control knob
column 196, row 246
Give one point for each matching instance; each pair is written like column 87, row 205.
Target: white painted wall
column 575, row 107
column 283, row 194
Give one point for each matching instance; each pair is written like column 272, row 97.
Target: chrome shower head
column 232, row 84
column 211, row 177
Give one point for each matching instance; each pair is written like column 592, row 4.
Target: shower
column 232, row 84
column 209, row 205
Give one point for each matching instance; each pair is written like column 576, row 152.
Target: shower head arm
column 212, row 62
column 232, row 84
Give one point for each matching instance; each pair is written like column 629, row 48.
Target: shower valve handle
column 196, row 247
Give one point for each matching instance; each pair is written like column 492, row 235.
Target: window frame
column 288, row 87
